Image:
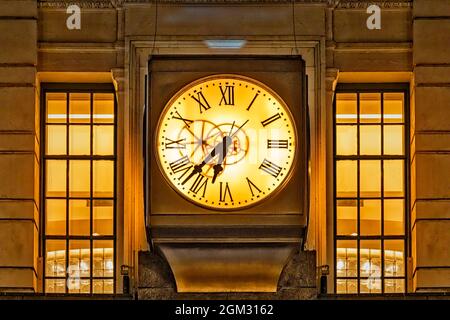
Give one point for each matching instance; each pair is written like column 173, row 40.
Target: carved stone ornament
column 100, row 4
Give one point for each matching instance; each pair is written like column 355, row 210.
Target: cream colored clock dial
column 226, row 142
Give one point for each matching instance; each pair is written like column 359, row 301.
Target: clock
column 226, row 142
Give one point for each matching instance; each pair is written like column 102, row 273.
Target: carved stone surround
column 349, row 4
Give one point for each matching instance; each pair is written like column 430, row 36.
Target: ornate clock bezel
column 293, row 167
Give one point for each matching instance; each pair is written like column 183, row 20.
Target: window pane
column 79, row 178
column 393, row 178
column 393, row 140
column 103, row 217
column 80, row 108
column 77, row 285
column 103, row 108
column 370, row 217
column 103, row 258
column 347, row 286
column 394, row 286
column 370, row 140
column 103, row 140
column 346, row 258
column 394, row 265
column 347, row 215
column 370, row 107
column 55, row 261
column 79, row 140
column 56, row 140
column 103, row 286
column 346, row 179
column 56, row 178
column 103, row 179
column 79, row 258
column 79, row 217
column 346, row 108
column 370, row 285
column 55, row 285
column 370, row 259
column 56, row 107
column 394, row 213
column 346, row 140
column 55, row 215
column 393, row 107
column 370, row 180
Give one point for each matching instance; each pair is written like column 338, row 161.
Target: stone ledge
column 396, row 296
column 285, row 294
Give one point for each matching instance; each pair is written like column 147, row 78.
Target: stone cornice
column 349, row 4
column 363, row 4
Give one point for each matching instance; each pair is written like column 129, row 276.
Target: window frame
column 358, row 88
column 69, row 88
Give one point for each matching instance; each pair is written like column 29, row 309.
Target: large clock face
column 226, row 142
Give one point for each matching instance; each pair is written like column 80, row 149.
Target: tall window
column 371, row 200
column 79, row 189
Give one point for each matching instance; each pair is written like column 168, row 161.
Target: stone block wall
column 430, row 147
column 19, row 147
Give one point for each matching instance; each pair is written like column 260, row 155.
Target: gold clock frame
column 293, row 168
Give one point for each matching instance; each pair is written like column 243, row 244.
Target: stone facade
column 114, row 44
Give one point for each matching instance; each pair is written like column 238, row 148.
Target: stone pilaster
column 430, row 147
column 19, row 147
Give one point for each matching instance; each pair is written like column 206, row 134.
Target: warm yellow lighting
column 259, row 156
column 81, row 116
column 369, row 116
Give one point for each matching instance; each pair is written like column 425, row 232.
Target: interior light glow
column 80, row 116
column 369, row 116
column 225, row 44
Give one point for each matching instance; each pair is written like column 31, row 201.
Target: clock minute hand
column 232, row 135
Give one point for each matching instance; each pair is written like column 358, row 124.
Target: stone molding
column 349, row 4
column 363, row 4
column 342, row 4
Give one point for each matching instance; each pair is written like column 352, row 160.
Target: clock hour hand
column 220, row 149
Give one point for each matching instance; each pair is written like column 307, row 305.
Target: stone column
column 430, row 147
column 19, row 144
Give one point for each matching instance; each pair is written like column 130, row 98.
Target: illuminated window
column 371, row 196
column 79, row 189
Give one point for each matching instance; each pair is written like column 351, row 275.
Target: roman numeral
column 227, row 95
column 271, row 119
column 224, row 192
column 187, row 122
column 270, row 168
column 181, row 165
column 251, row 185
column 202, row 102
column 251, row 103
column 200, row 183
column 280, row 144
column 175, row 144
